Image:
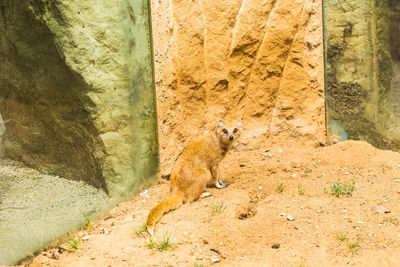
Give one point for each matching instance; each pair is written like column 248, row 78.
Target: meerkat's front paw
column 221, row 185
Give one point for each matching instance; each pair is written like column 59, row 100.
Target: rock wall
column 2, row 130
column 76, row 81
column 362, row 80
column 259, row 60
column 77, row 90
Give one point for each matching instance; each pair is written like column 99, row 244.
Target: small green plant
column 306, row 170
column 341, row 237
column 87, row 224
column 279, row 188
column 342, row 189
column 393, row 220
column 325, row 190
column 141, row 230
column 300, row 190
column 354, row 247
column 165, row 244
column 197, row 264
column 217, row 208
column 74, row 243
column 151, row 244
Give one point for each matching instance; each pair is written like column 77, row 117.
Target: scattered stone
column 381, row 209
column 294, row 175
column 86, row 237
column 104, row 231
column 215, row 260
column 145, row 194
column 275, row 246
column 290, row 218
column 283, row 214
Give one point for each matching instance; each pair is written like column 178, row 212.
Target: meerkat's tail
column 174, row 201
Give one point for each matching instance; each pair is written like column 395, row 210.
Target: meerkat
column 196, row 168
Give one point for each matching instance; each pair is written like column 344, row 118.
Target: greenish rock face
column 77, row 99
column 362, row 71
column 77, row 91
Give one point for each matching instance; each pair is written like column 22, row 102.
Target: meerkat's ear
column 220, row 122
column 239, row 122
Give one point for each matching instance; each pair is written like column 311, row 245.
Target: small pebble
column 275, row 246
column 290, row 218
column 215, row 259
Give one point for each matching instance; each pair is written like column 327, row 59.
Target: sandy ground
column 255, row 218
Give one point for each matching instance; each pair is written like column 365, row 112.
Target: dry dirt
column 255, row 217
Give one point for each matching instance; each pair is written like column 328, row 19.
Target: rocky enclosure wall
column 77, row 91
column 363, row 87
column 76, row 81
column 261, row 60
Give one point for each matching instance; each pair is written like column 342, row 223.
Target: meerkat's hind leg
column 205, row 194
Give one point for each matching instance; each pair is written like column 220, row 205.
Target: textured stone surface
column 259, row 60
column 362, row 86
column 76, row 90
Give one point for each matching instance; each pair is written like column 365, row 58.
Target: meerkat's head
column 228, row 132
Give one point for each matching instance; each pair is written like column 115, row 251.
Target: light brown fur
column 195, row 169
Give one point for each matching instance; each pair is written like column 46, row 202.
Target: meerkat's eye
column 225, row 131
column 235, row 130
